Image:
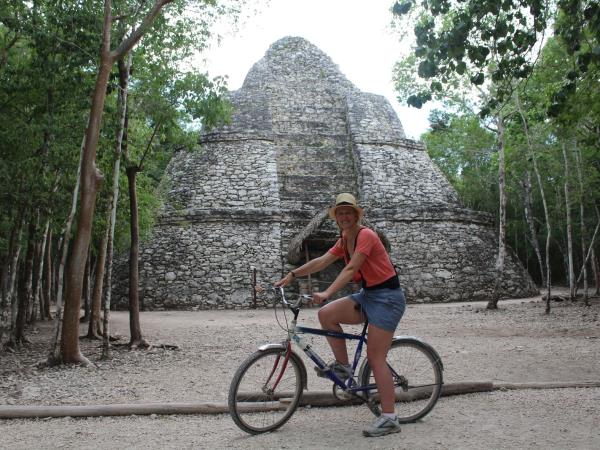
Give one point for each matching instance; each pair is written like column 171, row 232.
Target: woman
column 380, row 299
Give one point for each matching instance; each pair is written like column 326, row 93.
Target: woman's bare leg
column 341, row 311
column 380, row 341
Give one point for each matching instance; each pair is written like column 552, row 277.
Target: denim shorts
column 384, row 307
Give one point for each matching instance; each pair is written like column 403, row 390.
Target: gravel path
column 515, row 344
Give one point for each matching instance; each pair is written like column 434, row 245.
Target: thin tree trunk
column 47, row 285
column 7, row 317
column 86, row 289
column 25, row 297
column 544, row 204
column 94, row 330
column 134, row 300
column 124, row 70
column 33, row 301
column 582, row 230
column 134, row 304
column 533, row 238
column 567, row 188
column 55, row 267
column 500, row 261
column 38, row 297
column 589, row 253
column 16, row 280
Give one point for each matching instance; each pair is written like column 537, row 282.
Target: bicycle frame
column 294, row 335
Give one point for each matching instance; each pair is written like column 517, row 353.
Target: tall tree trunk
column 567, row 187
column 134, row 300
column 55, row 356
column 533, row 238
column 94, row 330
column 124, row 71
column 33, row 301
column 47, row 285
column 38, row 297
column 7, row 317
column 500, row 261
column 86, row 289
column 90, row 181
column 8, row 279
column 55, row 267
column 16, row 300
column 25, row 297
column 591, row 247
column 582, row 229
column 544, row 204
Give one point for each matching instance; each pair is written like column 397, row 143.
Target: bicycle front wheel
column 265, row 391
column 417, row 374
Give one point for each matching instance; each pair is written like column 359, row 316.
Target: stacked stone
column 300, row 134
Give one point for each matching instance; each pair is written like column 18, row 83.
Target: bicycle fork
column 286, row 358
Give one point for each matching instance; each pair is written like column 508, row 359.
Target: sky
column 355, row 34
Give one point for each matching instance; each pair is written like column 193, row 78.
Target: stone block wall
column 451, row 260
column 208, row 264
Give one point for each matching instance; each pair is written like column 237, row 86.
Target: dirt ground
column 516, row 344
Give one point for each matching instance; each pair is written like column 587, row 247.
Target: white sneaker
column 382, row 426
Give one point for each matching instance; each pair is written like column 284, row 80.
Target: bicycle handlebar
column 303, row 299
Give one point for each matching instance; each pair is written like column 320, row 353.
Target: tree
column 169, row 101
column 465, row 151
column 467, row 38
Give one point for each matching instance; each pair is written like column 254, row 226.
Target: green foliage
column 44, row 108
column 48, row 65
column 466, row 154
column 490, row 41
column 495, row 58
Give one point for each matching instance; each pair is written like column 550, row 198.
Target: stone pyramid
column 249, row 205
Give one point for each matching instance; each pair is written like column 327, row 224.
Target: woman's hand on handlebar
column 320, row 297
column 285, row 280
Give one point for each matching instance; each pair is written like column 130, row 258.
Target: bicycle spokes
column 417, row 379
column 265, row 391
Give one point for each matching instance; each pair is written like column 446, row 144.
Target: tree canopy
column 498, row 42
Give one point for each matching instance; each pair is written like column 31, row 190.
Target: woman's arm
column 344, row 277
column 314, row 265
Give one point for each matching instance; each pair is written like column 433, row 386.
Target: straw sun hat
column 345, row 199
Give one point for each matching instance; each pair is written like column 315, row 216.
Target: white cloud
column 355, row 34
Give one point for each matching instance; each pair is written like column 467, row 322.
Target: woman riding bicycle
column 381, row 299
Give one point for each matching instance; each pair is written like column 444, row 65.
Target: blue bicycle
column 268, row 386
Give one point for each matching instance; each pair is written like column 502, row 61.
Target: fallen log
column 546, row 385
column 14, row 411
column 312, row 398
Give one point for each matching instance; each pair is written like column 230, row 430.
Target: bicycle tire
column 418, row 379
column 253, row 406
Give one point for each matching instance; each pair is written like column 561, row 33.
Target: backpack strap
column 347, row 254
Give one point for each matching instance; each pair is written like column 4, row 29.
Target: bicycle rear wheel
column 417, row 373
column 265, row 391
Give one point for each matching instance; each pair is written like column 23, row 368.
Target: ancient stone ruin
column 251, row 203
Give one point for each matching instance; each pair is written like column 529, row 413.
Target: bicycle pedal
column 341, row 394
column 323, row 373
